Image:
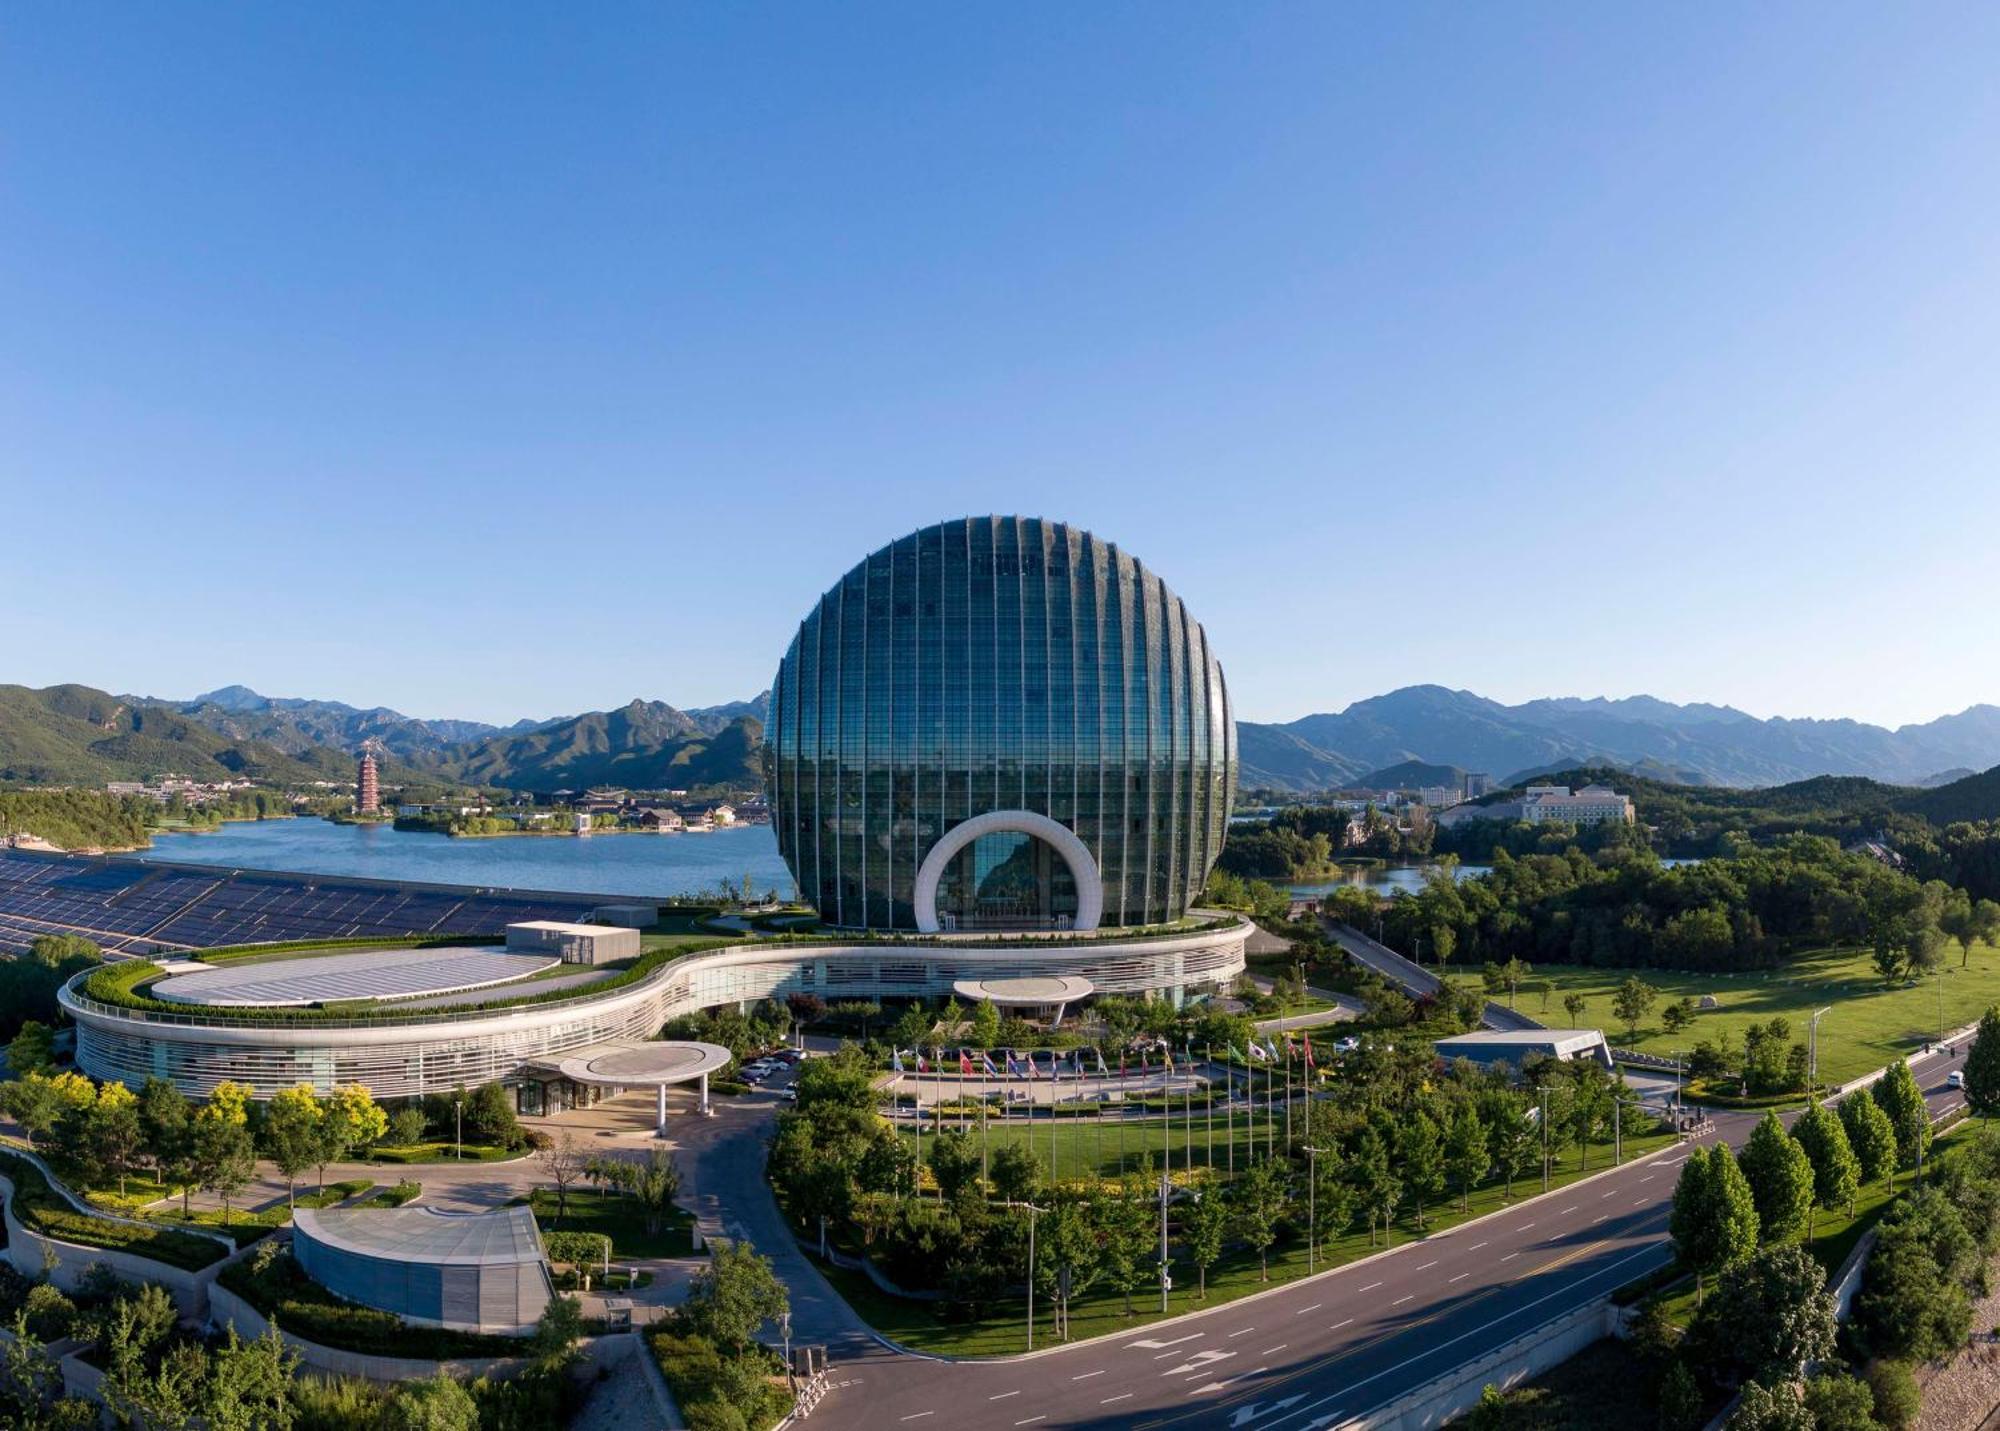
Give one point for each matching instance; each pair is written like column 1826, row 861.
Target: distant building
column 1592, row 805
column 1477, row 783
column 1487, row 1047
column 368, row 786
column 664, row 821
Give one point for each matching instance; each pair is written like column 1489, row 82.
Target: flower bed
column 39, row 1208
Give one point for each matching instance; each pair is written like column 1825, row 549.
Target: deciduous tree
column 1781, row 1181
column 1836, row 1171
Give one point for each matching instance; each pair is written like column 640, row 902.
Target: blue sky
column 498, row 361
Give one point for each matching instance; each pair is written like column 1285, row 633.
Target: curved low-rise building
column 405, row 1052
column 469, row 1271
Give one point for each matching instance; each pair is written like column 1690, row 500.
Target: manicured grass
column 619, row 1218
column 1871, row 1023
column 395, row 1196
column 1092, row 1147
column 1099, row 1312
column 336, row 1193
column 38, row 1207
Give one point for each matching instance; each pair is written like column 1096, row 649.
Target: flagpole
column 1208, row 1110
column 1288, row 1094
column 1229, row 1112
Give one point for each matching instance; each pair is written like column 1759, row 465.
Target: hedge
column 39, row 1208
column 238, row 953
column 338, row 1193
column 395, row 1196
column 283, row 1293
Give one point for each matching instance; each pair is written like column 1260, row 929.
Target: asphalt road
column 1313, row 1353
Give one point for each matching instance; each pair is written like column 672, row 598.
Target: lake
column 1382, row 879
column 648, row 866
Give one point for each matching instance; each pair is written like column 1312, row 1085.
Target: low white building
column 574, row 943
column 1486, row 1047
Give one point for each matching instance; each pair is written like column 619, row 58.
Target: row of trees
column 100, row 1135
column 1747, row 908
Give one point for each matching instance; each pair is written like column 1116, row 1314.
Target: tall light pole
column 1032, row 1210
column 1545, row 1137
column 458, row 1124
column 1812, row 1049
column 1312, row 1207
column 1166, row 1277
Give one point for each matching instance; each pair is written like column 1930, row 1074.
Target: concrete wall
column 228, row 1309
column 25, row 1249
column 1436, row 1401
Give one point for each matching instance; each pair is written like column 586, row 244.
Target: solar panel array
column 127, row 906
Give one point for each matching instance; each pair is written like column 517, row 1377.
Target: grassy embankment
column 1100, row 1312
column 1871, row 1023
column 620, row 1219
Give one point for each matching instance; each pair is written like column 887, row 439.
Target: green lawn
column 617, row 1217
column 1099, row 1312
column 1871, row 1023
column 1093, row 1148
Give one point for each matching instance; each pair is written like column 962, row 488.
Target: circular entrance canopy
column 1075, row 854
column 1028, row 992
column 627, row 1064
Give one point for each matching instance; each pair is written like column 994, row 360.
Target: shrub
column 1897, row 1399
column 50, row 1313
column 395, row 1196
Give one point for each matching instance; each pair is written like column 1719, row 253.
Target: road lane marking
column 1646, row 1179
column 1122, row 1396
column 1244, row 1333
column 1566, row 1212
column 1400, row 1300
column 1427, row 1267
column 1603, row 1218
column 1313, row 1308
column 919, row 1415
column 1475, row 1247
column 1155, row 1344
column 1371, row 1286
column 1524, row 1227
column 1003, row 1396
column 1273, row 1351
column 1085, row 1376
column 1510, row 1257
column 1459, row 1278
column 1347, row 1322
column 1033, row 1419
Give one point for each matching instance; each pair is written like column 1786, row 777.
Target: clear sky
column 492, row 361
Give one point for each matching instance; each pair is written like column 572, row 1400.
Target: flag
column 1029, row 1059
column 1167, row 1059
column 964, row 1064
column 1101, row 1069
column 896, row 1059
column 1271, row 1047
column 1260, row 1054
column 1013, row 1065
column 1236, row 1054
column 986, row 1064
column 1309, row 1049
column 922, row 1067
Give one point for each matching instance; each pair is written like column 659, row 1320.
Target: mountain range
column 1419, row 735
column 1679, row 744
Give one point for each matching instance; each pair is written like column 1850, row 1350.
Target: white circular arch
column 1076, row 854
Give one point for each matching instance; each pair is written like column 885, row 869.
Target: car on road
column 1954, row 1079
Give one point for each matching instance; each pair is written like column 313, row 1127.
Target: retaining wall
column 1436, row 1401
column 25, row 1249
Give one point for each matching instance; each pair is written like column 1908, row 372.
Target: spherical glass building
column 1000, row 723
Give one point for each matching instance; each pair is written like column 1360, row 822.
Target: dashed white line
column 1244, row 1333
column 919, row 1415
column 1612, row 1193
column 1033, row 1419
column 1459, row 1278
column 1400, row 1300
column 1371, row 1286
column 1122, row 1396
column 1086, row 1376
column 1595, row 1220
column 1566, row 1212
column 1313, row 1308
column 1427, row 1267
column 1344, row 1322
column 1510, row 1257
column 1273, row 1351
column 1638, row 1202
column 1522, row 1228
column 1475, row 1247
column 1646, row 1179
column 1003, row 1396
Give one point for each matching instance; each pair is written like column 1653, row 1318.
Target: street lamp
column 458, row 1124
column 1032, row 1210
column 1812, row 1049
column 1166, row 1277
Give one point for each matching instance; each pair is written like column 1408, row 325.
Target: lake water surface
column 647, row 866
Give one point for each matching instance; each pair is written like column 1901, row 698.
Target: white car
column 1954, row 1079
